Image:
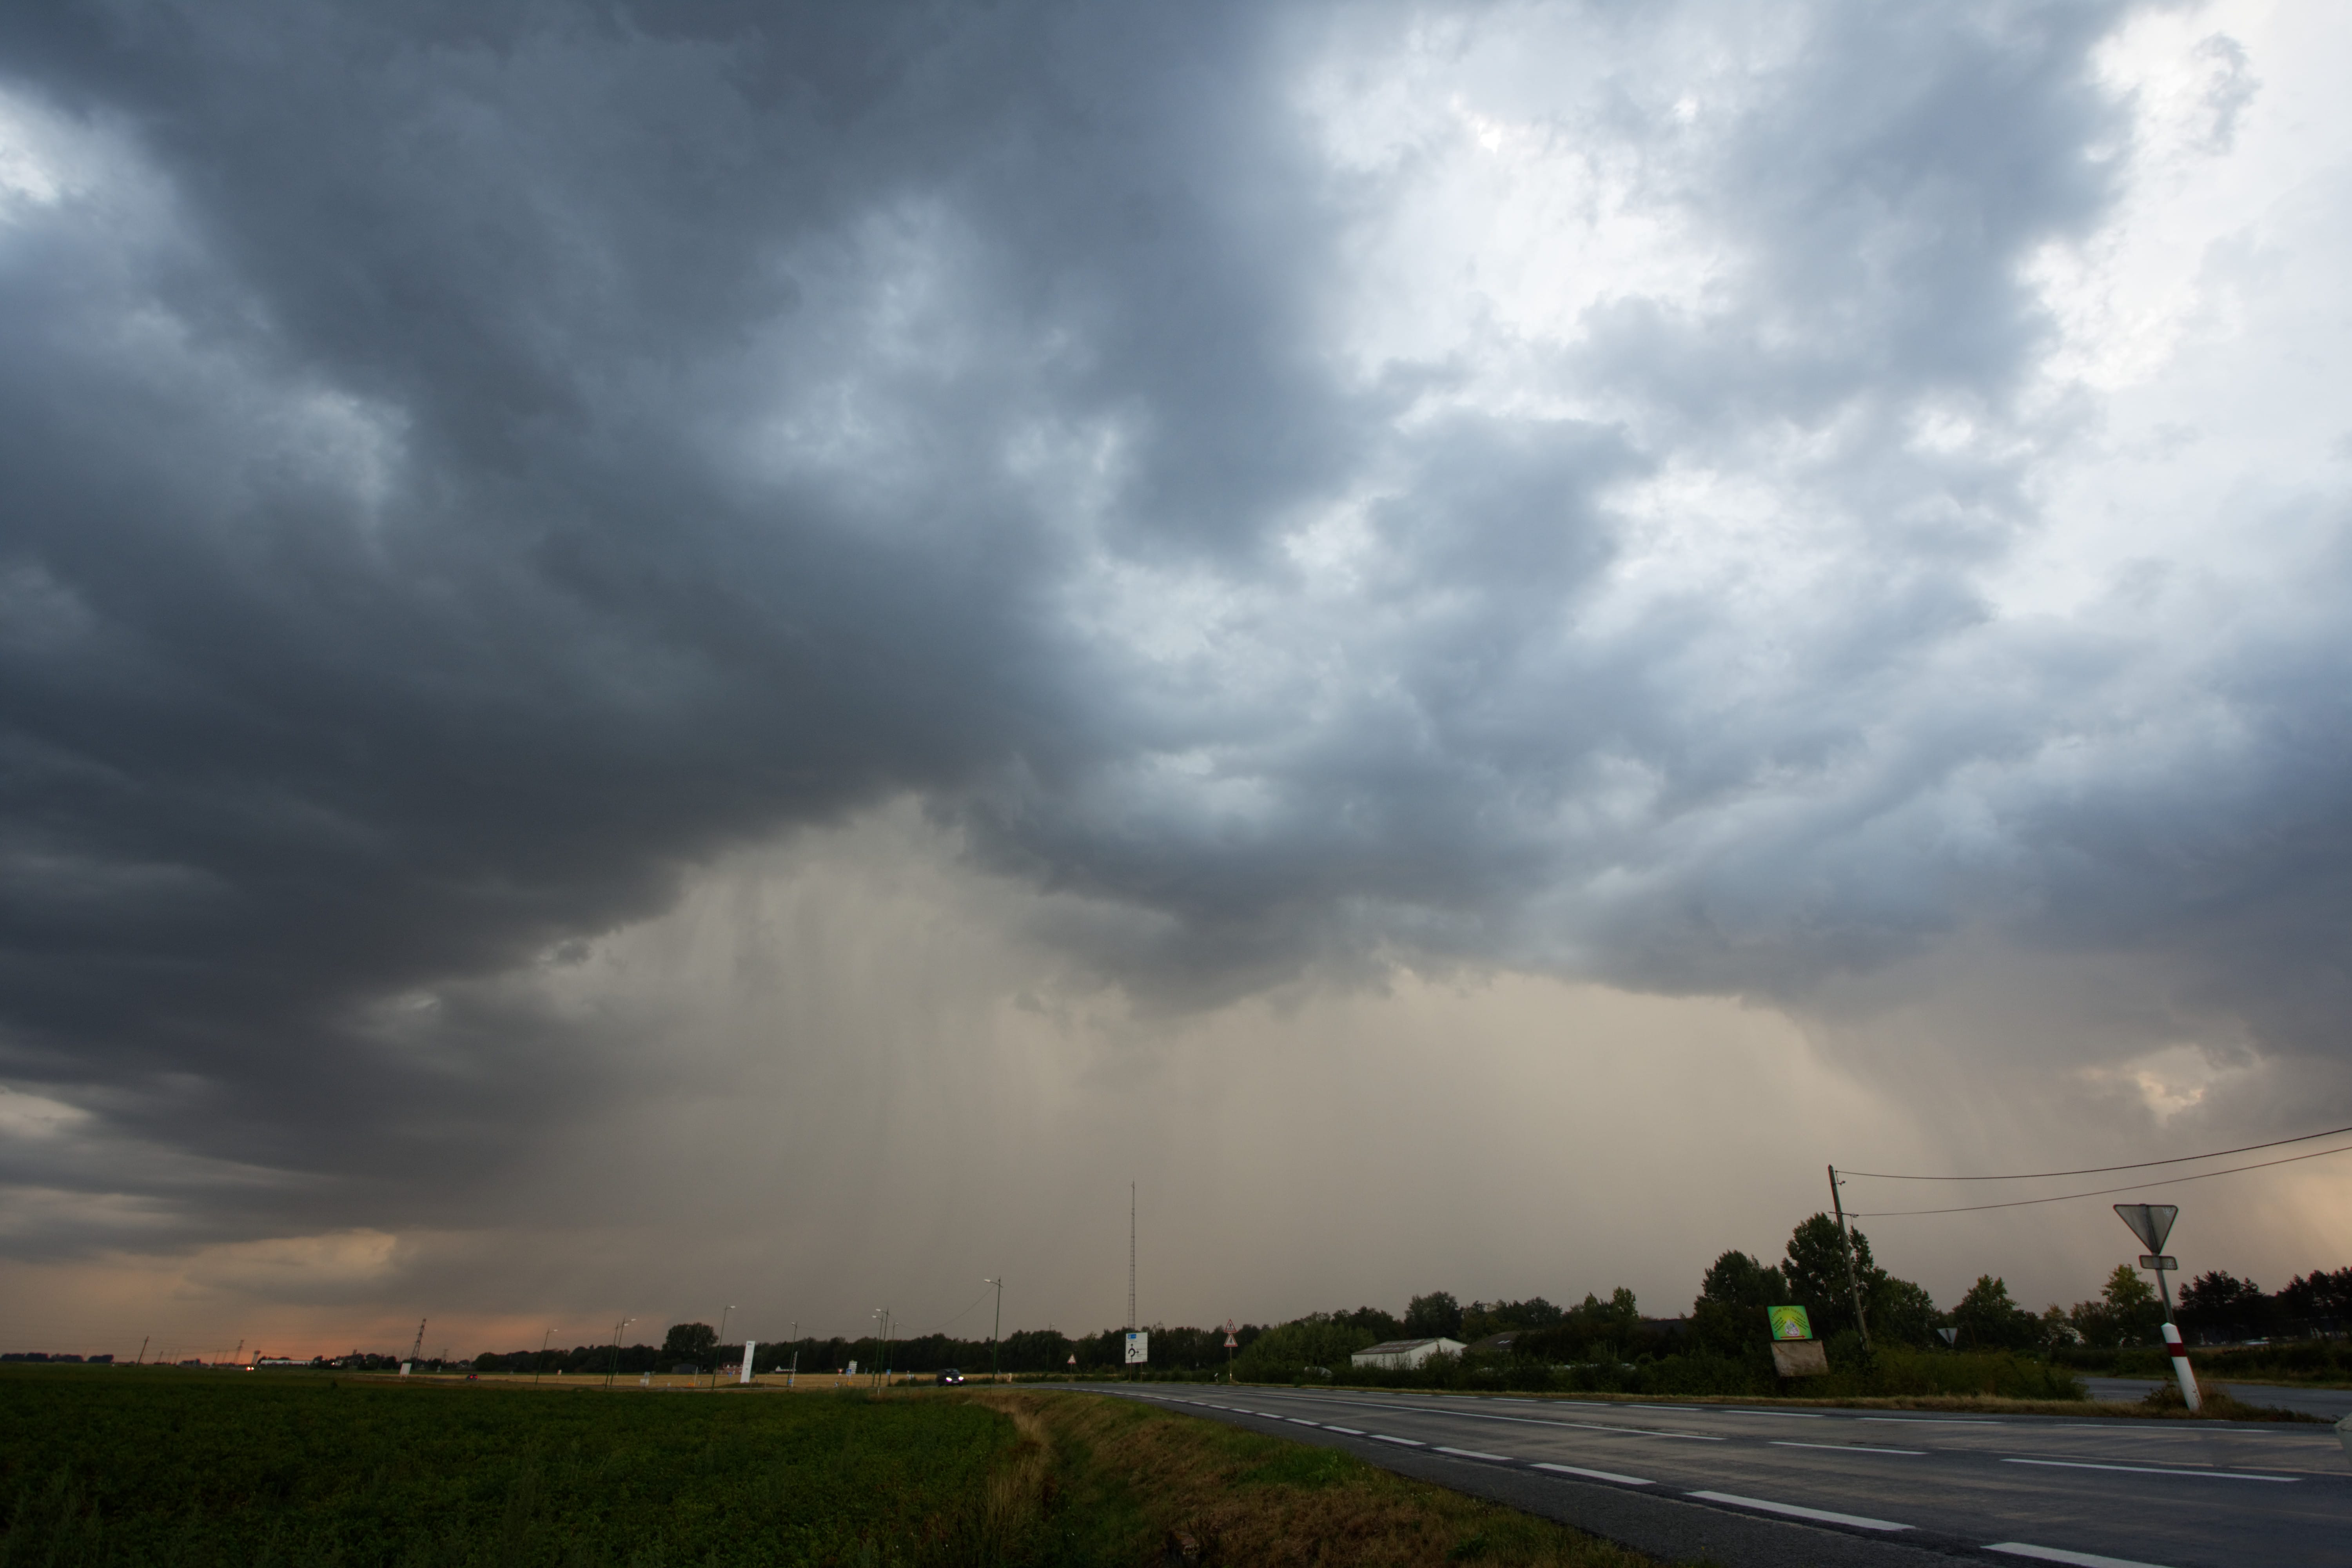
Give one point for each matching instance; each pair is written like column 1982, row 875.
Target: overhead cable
column 2103, row 1192
column 2103, row 1170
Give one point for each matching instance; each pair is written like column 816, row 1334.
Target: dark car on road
column 950, row 1375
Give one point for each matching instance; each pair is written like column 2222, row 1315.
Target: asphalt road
column 2333, row 1404
column 1756, row 1488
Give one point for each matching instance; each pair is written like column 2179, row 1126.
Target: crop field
column 120, row 1466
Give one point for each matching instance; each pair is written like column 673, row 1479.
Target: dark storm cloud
column 464, row 465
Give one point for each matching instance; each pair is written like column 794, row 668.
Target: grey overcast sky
column 663, row 655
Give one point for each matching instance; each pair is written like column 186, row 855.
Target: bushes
column 1895, row 1372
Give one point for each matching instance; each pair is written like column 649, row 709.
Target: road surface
column 1758, row 1487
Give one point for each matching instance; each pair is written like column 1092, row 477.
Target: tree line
column 1727, row 1318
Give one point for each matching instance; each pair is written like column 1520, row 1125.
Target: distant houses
column 1406, row 1354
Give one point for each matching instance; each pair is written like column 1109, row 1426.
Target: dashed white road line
column 1847, row 1448
column 1475, row 1454
column 1793, row 1512
column 1401, row 1442
column 2076, row 1559
column 1597, row 1475
column 1351, row 1431
column 1932, row 1420
column 2154, row 1470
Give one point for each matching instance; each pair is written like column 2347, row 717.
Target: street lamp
column 2152, row 1223
column 715, row 1349
column 884, row 1313
column 995, row 1338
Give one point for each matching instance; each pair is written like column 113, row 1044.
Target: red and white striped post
column 2152, row 1223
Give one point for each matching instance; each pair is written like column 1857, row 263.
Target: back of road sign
column 2157, row 1260
column 2149, row 1222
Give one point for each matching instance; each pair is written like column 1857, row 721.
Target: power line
column 2103, row 1170
column 2103, row 1191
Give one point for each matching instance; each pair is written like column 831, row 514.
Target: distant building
column 1496, row 1344
column 1406, row 1353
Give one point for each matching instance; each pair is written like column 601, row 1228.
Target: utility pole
column 540, row 1365
column 716, row 1348
column 418, row 1349
column 614, row 1371
column 792, row 1377
column 997, row 1334
column 1853, row 1279
column 142, row 1352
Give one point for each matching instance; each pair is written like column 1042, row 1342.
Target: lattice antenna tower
column 1130, row 1257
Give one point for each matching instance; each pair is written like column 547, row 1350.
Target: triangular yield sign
column 2149, row 1222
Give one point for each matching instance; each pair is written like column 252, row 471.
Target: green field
column 117, row 1465
column 120, row 1466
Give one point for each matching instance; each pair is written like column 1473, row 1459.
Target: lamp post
column 540, row 1365
column 884, row 1313
column 722, row 1341
column 794, row 1375
column 995, row 1338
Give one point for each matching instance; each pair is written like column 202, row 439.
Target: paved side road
column 1776, row 1488
column 2333, row 1404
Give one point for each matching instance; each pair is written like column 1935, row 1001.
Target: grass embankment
column 1138, row 1484
column 110, row 1467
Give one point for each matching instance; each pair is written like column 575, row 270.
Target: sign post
column 2152, row 1223
column 1232, row 1344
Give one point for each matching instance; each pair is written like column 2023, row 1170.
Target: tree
column 1318, row 1339
column 2127, row 1313
column 1988, row 1319
column 696, row 1342
column 1816, row 1275
column 2323, row 1297
column 1902, row 1312
column 1433, row 1316
column 1728, row 1315
column 2219, row 1306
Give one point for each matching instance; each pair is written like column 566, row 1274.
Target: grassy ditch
column 112, row 1468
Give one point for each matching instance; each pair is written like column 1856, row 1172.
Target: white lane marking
column 1932, row 1420
column 1405, row 1442
column 1783, row 1415
column 1597, row 1475
column 1302, row 1421
column 2154, row 1470
column 1351, row 1431
column 1532, row 1421
column 1475, row 1454
column 1845, row 1448
column 2077, row 1558
column 1793, row 1512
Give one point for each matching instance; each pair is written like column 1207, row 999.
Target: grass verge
column 1129, row 1484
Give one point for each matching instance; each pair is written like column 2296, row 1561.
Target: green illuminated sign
column 1789, row 1323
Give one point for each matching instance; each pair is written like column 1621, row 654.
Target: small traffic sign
column 2171, row 1265
column 1231, row 1343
